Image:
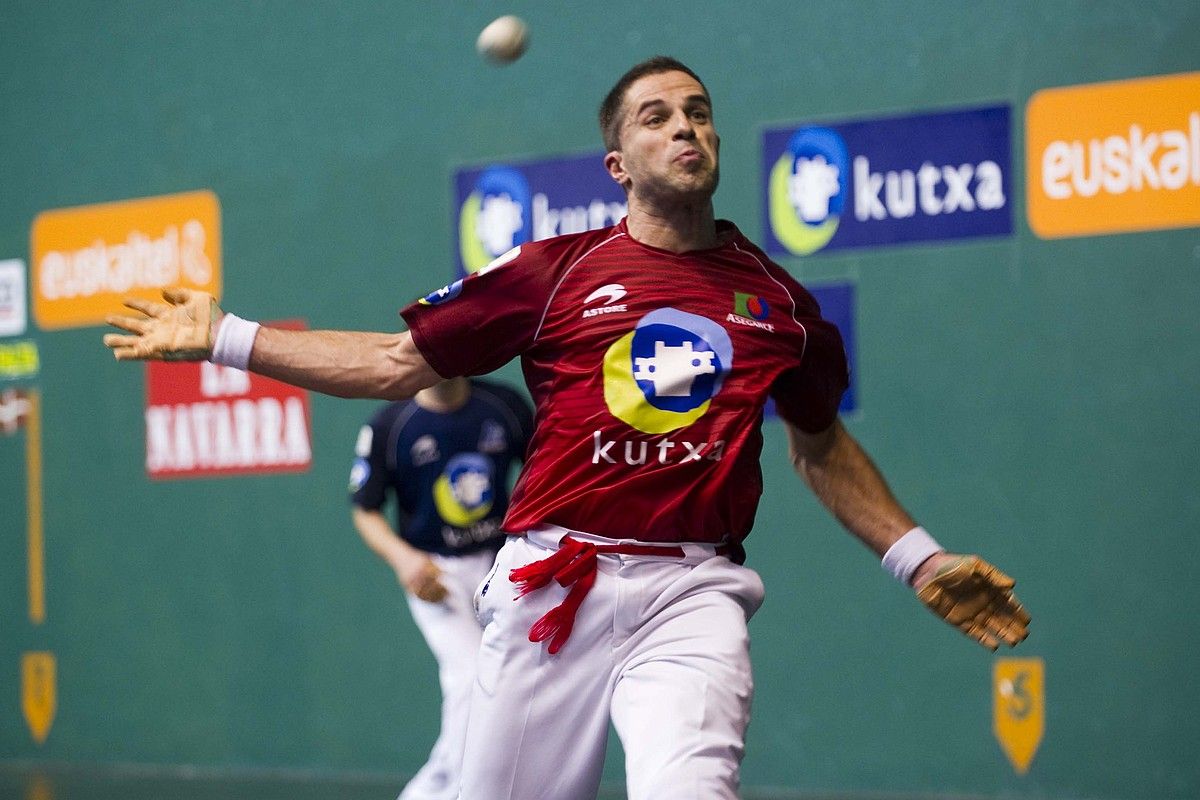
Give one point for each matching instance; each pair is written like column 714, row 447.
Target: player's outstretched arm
column 387, row 366
column 845, row 480
column 966, row 591
column 188, row 327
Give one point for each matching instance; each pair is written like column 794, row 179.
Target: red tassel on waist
column 538, row 573
column 557, row 623
column 574, row 565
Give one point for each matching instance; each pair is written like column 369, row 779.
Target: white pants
column 452, row 632
column 660, row 644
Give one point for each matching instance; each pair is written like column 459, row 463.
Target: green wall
column 1032, row 400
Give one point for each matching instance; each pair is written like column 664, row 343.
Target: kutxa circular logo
column 663, row 374
column 808, row 188
column 444, row 294
column 495, row 217
column 463, row 492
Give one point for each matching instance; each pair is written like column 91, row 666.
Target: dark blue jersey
column 448, row 472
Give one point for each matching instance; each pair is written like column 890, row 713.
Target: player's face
column 669, row 147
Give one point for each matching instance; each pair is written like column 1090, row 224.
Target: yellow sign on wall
column 1114, row 157
column 1019, row 708
column 86, row 260
column 19, row 359
column 39, row 694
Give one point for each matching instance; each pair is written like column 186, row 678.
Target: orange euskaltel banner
column 87, row 259
column 1114, row 157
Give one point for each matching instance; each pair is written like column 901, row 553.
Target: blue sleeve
column 371, row 475
column 524, row 414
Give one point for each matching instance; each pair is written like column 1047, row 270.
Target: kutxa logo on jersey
column 866, row 183
column 463, row 493
column 663, row 374
column 505, row 205
column 443, row 295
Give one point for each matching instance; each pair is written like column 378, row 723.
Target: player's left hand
column 182, row 329
column 973, row 596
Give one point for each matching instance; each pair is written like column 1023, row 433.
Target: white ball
column 503, row 40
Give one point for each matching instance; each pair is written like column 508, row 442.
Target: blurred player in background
column 444, row 457
column 650, row 349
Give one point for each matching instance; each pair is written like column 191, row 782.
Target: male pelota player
column 444, row 459
column 621, row 592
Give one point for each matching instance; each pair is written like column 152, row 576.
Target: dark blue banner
column 867, row 183
column 500, row 206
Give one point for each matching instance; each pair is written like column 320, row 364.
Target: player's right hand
column 182, row 329
column 421, row 577
column 975, row 597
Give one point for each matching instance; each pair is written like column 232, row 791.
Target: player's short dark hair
column 610, row 109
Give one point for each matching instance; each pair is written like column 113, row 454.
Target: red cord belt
column 574, row 565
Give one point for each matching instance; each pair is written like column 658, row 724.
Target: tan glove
column 977, row 598
column 183, row 329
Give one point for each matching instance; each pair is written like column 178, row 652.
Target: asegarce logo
column 808, row 188
column 663, row 375
column 494, row 218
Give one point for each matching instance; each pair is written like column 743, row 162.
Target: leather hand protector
column 975, row 597
column 182, row 329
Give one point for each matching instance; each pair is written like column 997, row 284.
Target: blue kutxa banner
column 873, row 182
column 500, row 206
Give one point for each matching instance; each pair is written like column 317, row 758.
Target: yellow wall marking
column 33, row 506
column 40, row 789
column 1019, row 708
column 39, row 697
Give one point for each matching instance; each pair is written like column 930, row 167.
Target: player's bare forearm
column 966, row 591
column 414, row 569
column 343, row 363
column 847, row 482
column 377, row 534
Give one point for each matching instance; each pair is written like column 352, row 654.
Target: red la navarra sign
column 203, row 420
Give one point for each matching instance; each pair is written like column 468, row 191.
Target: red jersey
column 648, row 371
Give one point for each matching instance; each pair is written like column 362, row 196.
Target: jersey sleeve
column 481, row 322
column 369, row 477
column 808, row 394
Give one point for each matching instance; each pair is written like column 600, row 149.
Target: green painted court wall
column 1037, row 401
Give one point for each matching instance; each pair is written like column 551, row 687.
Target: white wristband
column 235, row 340
column 909, row 552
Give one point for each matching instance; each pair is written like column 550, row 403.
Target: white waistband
column 548, row 536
